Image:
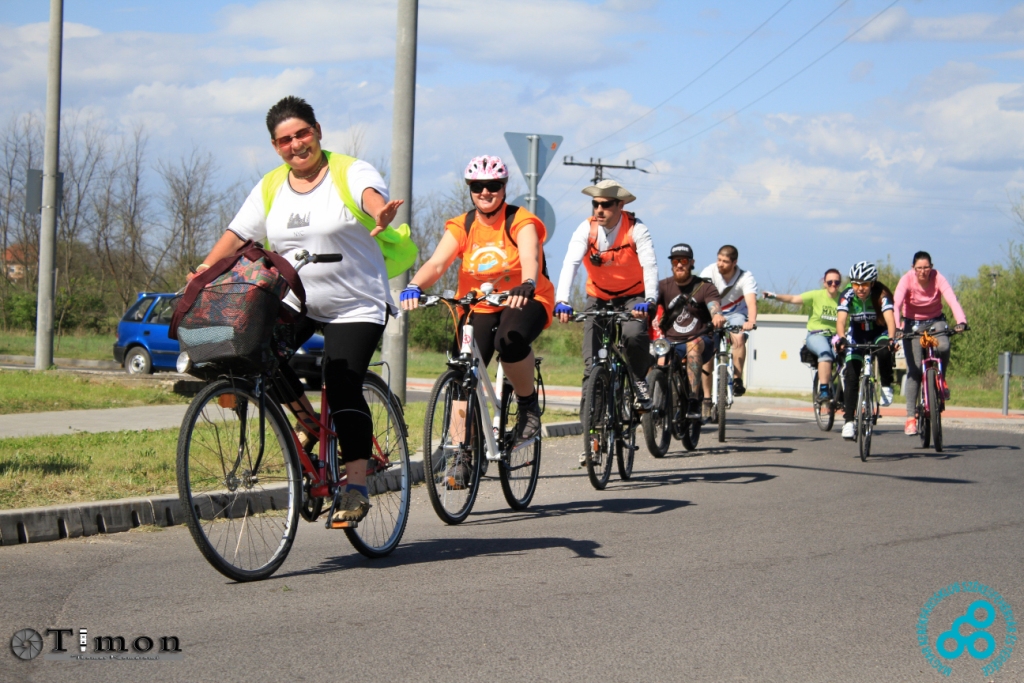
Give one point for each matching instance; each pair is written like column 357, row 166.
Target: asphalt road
column 778, row 556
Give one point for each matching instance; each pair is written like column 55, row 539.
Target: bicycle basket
column 230, row 323
column 809, row 357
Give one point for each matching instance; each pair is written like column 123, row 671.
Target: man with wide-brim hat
column 616, row 249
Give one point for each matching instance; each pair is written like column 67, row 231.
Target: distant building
column 15, row 259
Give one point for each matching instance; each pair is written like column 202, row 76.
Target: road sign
column 547, row 145
column 544, row 211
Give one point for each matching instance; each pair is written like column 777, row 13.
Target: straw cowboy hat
column 610, row 189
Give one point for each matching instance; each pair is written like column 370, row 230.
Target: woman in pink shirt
column 919, row 298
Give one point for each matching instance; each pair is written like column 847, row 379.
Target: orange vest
column 620, row 273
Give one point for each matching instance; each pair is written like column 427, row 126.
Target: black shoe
column 693, row 409
column 737, row 387
column 643, row 396
column 528, row 423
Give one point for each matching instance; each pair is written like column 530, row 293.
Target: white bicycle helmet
column 486, row 168
column 864, row 271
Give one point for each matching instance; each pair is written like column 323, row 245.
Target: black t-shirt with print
column 692, row 319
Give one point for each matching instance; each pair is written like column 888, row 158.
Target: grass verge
column 52, row 470
column 33, row 392
column 79, row 346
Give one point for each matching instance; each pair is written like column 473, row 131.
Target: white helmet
column 864, row 271
column 486, row 168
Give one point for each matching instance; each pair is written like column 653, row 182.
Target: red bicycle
column 931, row 400
column 244, row 479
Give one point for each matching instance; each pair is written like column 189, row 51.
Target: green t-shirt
column 820, row 309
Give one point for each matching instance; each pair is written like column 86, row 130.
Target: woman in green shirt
column 820, row 307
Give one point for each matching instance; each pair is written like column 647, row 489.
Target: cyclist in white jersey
column 739, row 306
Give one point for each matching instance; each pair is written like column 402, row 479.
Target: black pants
column 510, row 332
column 851, row 376
column 634, row 336
column 348, row 349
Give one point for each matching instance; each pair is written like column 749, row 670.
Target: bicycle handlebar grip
column 326, row 258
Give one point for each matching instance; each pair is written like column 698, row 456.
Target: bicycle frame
column 723, row 359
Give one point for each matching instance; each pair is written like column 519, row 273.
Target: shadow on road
column 447, row 549
column 644, row 481
column 627, row 506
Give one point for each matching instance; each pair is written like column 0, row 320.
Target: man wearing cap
column 690, row 307
column 622, row 272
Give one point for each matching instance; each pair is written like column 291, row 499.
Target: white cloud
column 898, row 25
column 219, row 98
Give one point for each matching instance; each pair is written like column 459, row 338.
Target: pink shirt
column 925, row 303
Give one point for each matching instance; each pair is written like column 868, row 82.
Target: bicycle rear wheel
column 935, row 408
column 656, row 421
column 625, row 447
column 865, row 418
column 451, row 461
column 388, row 476
column 723, row 399
column 239, row 480
column 519, row 467
column 598, row 427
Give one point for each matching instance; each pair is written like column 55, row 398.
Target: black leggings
column 851, row 375
column 512, row 331
column 348, row 349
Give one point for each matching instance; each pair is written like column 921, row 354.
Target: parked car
column 143, row 346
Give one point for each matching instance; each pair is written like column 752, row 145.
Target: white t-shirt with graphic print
column 742, row 284
column 354, row 290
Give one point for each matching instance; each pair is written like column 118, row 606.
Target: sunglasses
column 860, row 284
column 832, row 283
column 302, row 135
column 604, row 205
column 492, row 186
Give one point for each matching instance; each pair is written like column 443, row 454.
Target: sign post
column 1010, row 365
column 534, row 153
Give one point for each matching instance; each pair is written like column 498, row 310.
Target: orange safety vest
column 620, row 273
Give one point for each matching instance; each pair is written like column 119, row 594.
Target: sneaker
column 850, row 431
column 643, row 395
column 705, row 410
column 910, row 428
column 583, row 459
column 528, row 423
column 352, row 507
column 737, row 387
column 457, row 476
column 886, row 396
column 693, row 409
column 824, row 394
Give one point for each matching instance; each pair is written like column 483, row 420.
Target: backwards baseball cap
column 681, row 251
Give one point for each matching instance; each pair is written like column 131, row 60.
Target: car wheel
column 138, row 362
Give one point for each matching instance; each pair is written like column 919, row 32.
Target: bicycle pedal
column 342, row 524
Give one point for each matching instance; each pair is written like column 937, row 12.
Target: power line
column 694, row 80
column 785, row 82
column 733, row 88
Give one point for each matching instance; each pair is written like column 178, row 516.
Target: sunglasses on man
column 301, row 135
column 492, row 186
column 604, row 205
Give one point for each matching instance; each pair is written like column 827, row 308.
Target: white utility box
column 773, row 354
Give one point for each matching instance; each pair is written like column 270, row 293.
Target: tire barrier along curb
column 36, row 525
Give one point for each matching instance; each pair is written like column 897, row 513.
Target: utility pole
column 599, row 167
column 396, row 335
column 48, row 224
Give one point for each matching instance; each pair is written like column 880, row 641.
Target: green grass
column 556, row 370
column 984, row 392
column 24, row 391
column 51, row 470
column 79, row 346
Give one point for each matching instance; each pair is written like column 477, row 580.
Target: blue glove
column 643, row 307
column 561, row 308
column 410, row 292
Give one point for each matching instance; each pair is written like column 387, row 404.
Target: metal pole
column 48, row 224
column 531, row 173
column 1008, row 359
column 396, row 335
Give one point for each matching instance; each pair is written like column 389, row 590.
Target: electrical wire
column 692, row 81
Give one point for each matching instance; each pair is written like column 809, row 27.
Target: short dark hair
column 920, row 255
column 832, row 270
column 731, row 252
column 290, row 107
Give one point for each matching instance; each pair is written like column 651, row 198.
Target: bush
column 20, row 310
column 431, row 329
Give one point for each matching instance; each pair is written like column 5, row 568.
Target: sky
column 809, row 134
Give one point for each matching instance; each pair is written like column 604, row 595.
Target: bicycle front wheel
column 388, row 475
column 598, row 427
column 453, row 448
column 626, row 445
column 824, row 411
column 239, row 480
column 865, row 418
column 935, row 409
column 520, row 464
column 657, row 432
column 723, row 399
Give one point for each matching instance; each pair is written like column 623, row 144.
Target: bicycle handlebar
column 470, row 299
column 618, row 314
column 304, row 258
column 948, row 332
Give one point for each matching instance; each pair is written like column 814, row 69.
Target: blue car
column 143, row 346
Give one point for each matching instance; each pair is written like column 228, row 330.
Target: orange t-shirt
column 489, row 256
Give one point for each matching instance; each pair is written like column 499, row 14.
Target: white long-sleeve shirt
column 578, row 251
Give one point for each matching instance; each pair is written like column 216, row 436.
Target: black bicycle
column 670, row 395
column 825, row 410
column 610, row 416
column 868, row 405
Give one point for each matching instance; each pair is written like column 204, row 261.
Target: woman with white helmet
column 867, row 305
column 498, row 244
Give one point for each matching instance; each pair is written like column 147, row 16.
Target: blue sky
column 909, row 135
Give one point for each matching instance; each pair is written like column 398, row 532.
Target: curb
column 66, row 362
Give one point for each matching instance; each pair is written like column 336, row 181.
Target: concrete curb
column 65, row 362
